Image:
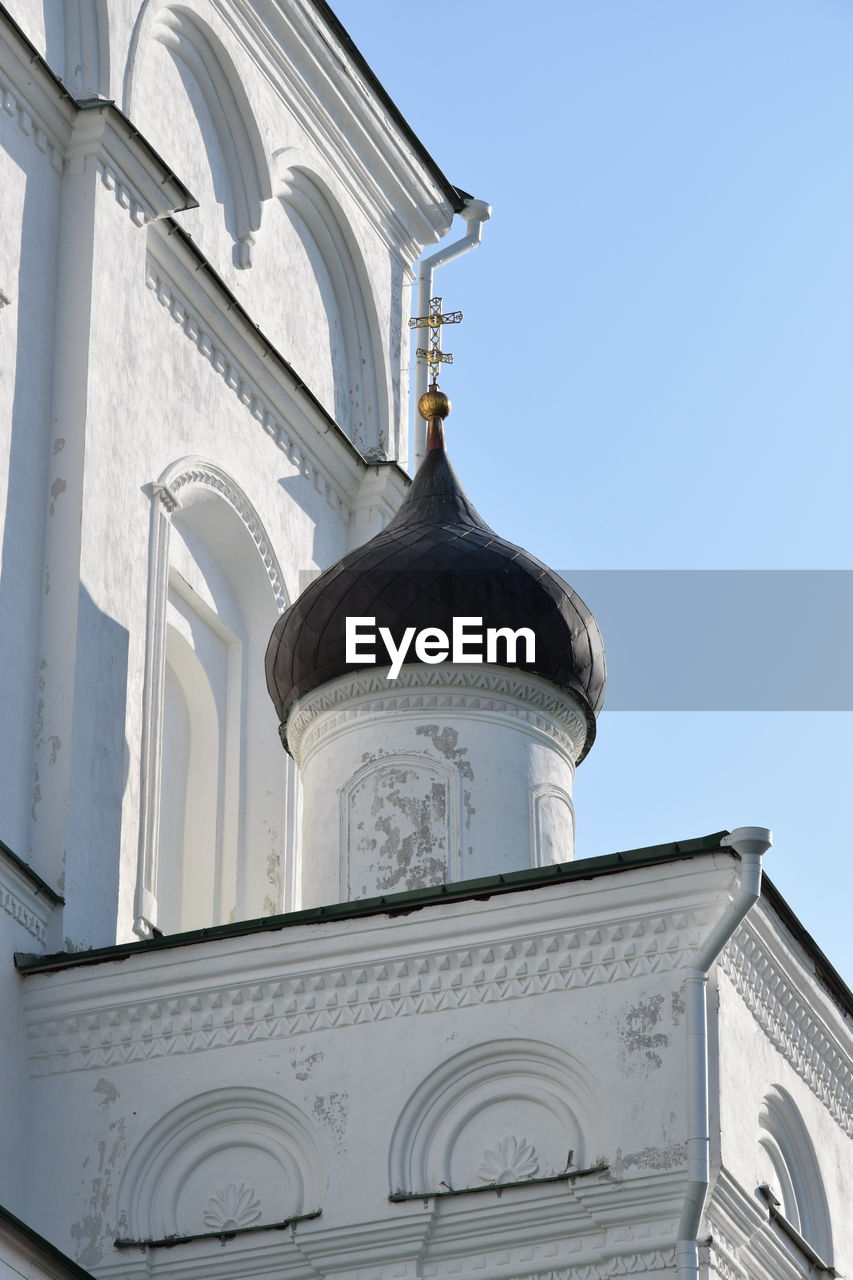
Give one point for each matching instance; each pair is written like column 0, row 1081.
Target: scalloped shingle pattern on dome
column 436, row 560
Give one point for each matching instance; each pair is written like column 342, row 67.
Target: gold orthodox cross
column 434, row 355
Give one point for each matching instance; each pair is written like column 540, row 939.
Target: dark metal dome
column 436, row 560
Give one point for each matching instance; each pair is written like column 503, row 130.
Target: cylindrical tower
column 462, row 764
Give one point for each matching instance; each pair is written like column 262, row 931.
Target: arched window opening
column 219, row 823
column 190, row 835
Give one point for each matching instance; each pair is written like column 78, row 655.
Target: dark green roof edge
column 272, row 351
column 49, row 1250
column 455, row 196
column 40, row 886
column 391, row 904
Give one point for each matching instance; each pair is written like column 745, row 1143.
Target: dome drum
column 429, row 760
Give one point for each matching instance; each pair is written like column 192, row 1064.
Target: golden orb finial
column 434, row 403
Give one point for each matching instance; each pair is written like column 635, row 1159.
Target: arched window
column 219, row 798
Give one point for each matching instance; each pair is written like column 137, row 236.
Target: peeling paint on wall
column 304, row 1066
column 332, row 1112
column 649, row 1158
column 398, row 829
column 92, row 1229
column 58, row 487
column 640, row 1043
column 444, row 741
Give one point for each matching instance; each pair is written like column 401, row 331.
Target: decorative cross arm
column 433, row 322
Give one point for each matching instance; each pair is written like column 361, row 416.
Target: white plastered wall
column 148, row 362
column 783, row 1055
column 389, row 1053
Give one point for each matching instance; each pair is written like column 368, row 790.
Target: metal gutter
column 568, row 1175
column 750, row 844
column 455, row 195
column 392, row 904
column 41, row 886
column 169, row 1242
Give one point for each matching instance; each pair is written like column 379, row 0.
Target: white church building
column 300, row 977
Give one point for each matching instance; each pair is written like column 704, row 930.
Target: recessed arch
column 228, row 1153
column 421, row 793
column 501, row 1109
column 200, row 54
column 215, row 582
column 796, row 1179
column 361, row 389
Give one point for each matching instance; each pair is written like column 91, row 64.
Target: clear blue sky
column 655, row 370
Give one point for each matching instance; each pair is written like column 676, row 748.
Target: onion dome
column 437, row 559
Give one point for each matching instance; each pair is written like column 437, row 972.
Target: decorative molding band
column 632, row 1264
column 789, row 1024
column 267, row 1008
column 724, row 1262
column 237, row 380
column 621, row 1264
column 477, row 690
column 191, row 472
column 20, row 900
column 30, row 126
column 18, row 910
column 125, row 194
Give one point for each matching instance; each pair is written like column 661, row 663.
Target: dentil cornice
column 229, row 354
column 21, row 899
column 74, row 135
column 81, row 1024
column 790, row 1015
column 126, row 164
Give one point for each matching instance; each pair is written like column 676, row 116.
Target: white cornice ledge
column 21, row 899
column 30, row 91
column 741, row 1244
column 69, row 131
column 128, row 165
column 240, row 991
column 269, row 390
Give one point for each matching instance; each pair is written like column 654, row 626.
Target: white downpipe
column 475, row 213
column 750, row 843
